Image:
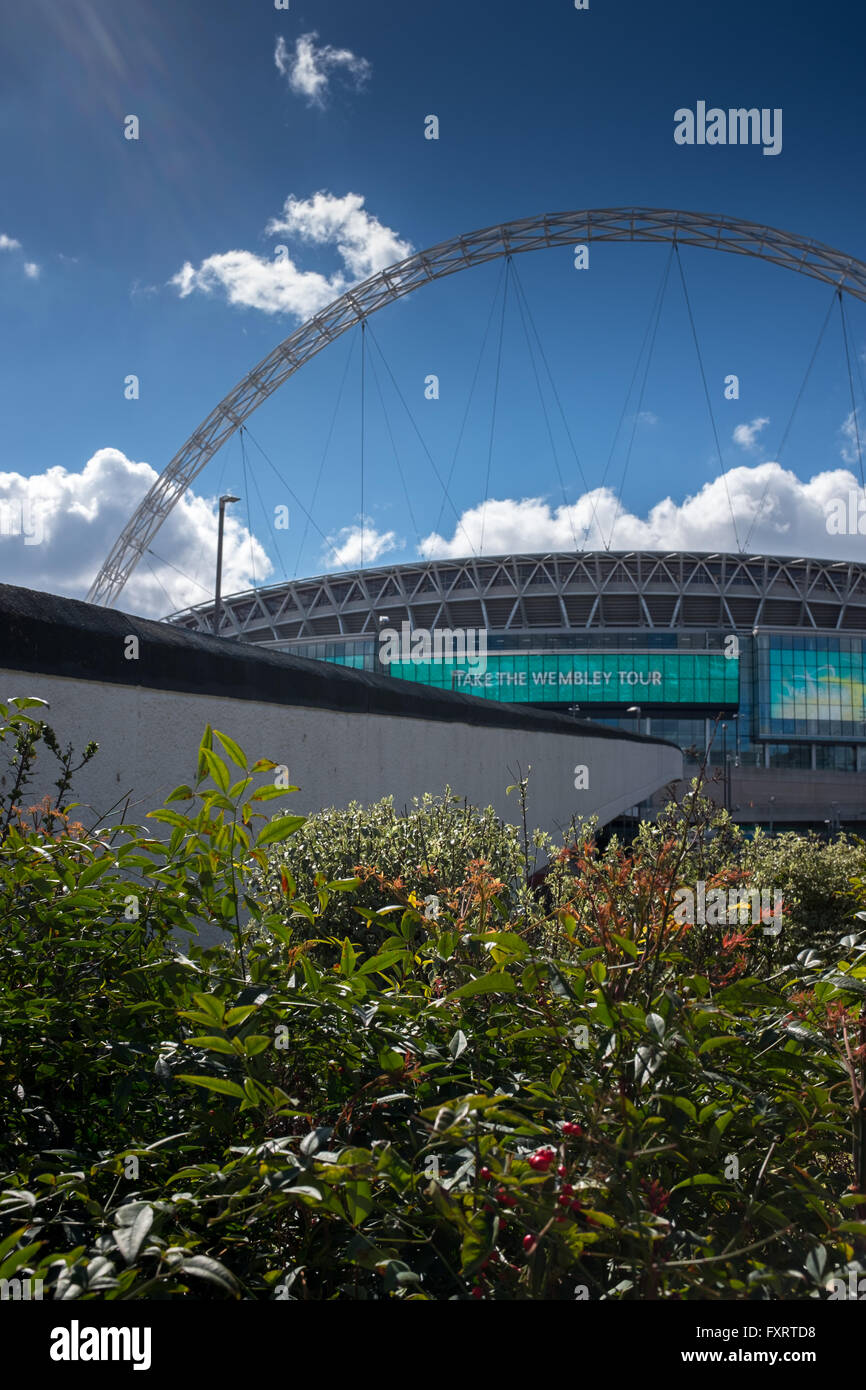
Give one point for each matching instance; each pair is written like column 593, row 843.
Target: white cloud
column 10, row 243
column 852, row 432
column 75, row 518
column 646, row 417
column 791, row 519
column 276, row 285
column 309, row 67
column 747, row 435
column 352, row 543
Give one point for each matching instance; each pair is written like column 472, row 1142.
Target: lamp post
column 724, row 765
column 378, row 666
column 217, row 607
column 574, row 710
column 635, row 710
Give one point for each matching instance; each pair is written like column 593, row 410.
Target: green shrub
column 614, row 1107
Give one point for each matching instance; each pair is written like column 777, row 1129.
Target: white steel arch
column 716, row 233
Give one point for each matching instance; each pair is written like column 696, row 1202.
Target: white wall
column 148, row 740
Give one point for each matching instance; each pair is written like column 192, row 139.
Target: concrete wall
column 343, row 735
column 148, row 741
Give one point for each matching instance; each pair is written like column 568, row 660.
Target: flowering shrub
column 587, row 1099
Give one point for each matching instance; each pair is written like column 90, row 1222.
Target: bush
column 599, row 1102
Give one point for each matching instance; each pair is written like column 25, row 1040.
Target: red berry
column 567, row 1189
column 562, row 1170
column 529, row 1242
column 485, row 1174
column 477, row 1292
column 559, row 1218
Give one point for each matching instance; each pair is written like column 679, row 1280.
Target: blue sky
column 542, row 108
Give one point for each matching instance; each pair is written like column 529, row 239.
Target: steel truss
column 545, row 594
column 716, row 233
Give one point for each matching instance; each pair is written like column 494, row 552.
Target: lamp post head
column 227, row 498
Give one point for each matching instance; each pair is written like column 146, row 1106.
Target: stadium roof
column 553, row 592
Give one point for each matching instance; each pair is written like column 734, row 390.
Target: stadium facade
column 756, row 662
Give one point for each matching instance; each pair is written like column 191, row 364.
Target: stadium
column 754, row 663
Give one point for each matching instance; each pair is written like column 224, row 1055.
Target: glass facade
column 811, row 686
column 800, row 700
column 603, row 678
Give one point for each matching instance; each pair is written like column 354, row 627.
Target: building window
column 835, row 757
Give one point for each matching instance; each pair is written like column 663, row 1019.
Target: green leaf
column 129, row 1239
column 495, row 983
column 204, row 1267
column 279, row 829
column 700, row 1180
column 269, row 792
column 510, row 941
column 217, row 769
column 181, row 793
column 233, row 749
column 206, row 743
column 213, row 1044
column 214, row 1083
column 381, row 962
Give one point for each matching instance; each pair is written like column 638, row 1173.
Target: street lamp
column 384, row 620
column 217, row 607
column 574, row 710
column 724, row 765
column 635, row 710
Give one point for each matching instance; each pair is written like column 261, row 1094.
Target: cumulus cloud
column 11, row 243
column 747, row 435
column 277, row 285
column 852, row 433
column 308, row 68
column 353, row 543
column 57, row 527
column 789, row 516
column 646, row 417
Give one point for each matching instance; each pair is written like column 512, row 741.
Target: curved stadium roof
column 553, row 592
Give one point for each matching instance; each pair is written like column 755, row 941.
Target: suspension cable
column 707, row 395
column 171, row 603
column 854, row 417
column 471, row 395
column 266, row 517
column 283, row 482
column 414, row 425
column 797, row 399
column 396, row 453
column 485, row 494
column 649, row 337
column 363, row 423
column 327, row 449
column 523, row 306
column 247, row 500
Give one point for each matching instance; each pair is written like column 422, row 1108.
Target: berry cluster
column 541, row 1160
